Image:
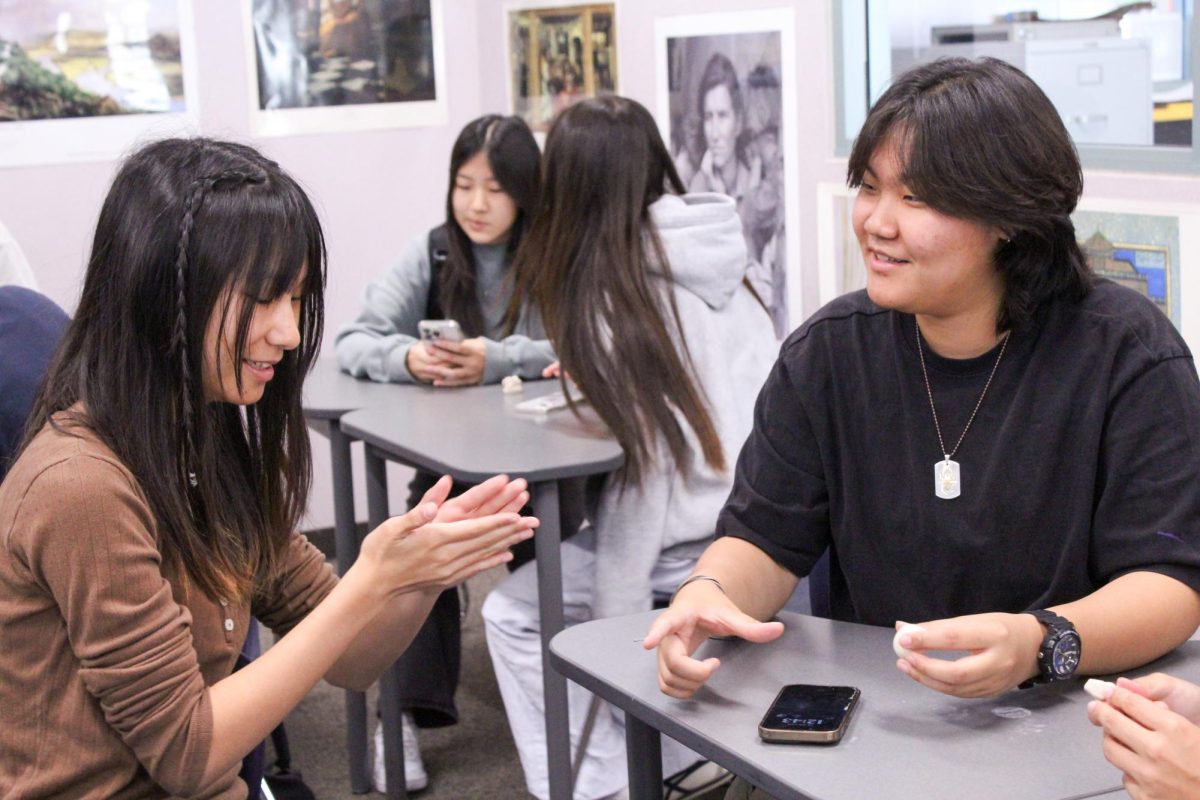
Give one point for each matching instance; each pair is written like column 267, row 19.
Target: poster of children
column 726, row 135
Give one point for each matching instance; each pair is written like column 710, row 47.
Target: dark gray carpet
column 474, row 759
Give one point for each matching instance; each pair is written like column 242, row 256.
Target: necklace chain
column 936, row 426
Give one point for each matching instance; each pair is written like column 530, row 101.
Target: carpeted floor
column 474, row 759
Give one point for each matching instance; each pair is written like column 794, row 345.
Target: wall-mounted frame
column 321, row 66
column 84, row 81
column 726, row 106
column 839, row 264
column 1149, row 247
column 557, row 54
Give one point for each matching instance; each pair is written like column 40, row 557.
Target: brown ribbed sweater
column 105, row 660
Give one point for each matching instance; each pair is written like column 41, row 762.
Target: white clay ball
column 1101, row 690
column 906, row 629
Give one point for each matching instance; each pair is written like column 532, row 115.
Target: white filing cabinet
column 1100, row 85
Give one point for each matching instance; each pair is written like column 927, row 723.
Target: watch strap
column 1056, row 626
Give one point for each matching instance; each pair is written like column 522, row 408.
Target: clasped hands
column 447, row 363
column 1001, row 649
column 441, row 542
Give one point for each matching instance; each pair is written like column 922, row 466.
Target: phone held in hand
column 434, row 330
column 807, row 714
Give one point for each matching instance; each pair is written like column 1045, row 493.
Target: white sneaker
column 698, row 780
column 415, row 777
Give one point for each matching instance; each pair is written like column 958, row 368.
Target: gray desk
column 328, row 394
column 471, row 434
column 905, row 741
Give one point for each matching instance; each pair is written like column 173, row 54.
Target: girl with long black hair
column 460, row 270
column 154, row 507
column 643, row 292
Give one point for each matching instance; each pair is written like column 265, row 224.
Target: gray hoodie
column 732, row 345
column 376, row 344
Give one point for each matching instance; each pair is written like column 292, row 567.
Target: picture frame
column 557, row 53
column 729, row 77
column 840, row 268
column 1149, row 246
column 96, row 82
column 329, row 66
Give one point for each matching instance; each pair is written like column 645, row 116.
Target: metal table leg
column 643, row 751
column 550, row 603
column 346, row 539
column 389, row 694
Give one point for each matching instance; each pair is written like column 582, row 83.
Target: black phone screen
column 805, row 707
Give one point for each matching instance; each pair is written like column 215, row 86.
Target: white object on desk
column 901, row 651
column 511, row 384
column 548, row 402
column 1101, row 690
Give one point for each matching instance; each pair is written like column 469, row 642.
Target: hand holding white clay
column 901, row 651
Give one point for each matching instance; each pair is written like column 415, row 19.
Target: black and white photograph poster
column 339, row 65
column 727, row 111
column 84, row 81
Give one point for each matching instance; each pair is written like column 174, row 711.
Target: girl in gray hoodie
column 643, row 293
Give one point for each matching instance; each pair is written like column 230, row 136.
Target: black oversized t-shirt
column 1082, row 464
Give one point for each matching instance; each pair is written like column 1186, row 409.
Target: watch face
column 1065, row 657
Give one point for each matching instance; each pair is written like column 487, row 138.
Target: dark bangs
column 978, row 140
column 270, row 234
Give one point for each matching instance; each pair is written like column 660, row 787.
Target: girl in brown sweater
column 154, row 507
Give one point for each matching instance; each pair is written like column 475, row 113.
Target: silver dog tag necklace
column 947, row 479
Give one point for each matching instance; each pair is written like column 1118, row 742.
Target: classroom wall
column 375, row 190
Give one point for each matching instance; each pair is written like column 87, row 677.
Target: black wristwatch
column 1058, row 657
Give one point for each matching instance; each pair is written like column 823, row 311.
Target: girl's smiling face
column 274, row 329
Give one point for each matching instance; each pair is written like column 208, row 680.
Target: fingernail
column 429, row 510
column 1091, row 706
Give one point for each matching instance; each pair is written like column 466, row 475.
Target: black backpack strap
column 439, row 251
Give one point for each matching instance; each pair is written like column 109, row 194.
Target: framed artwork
column 320, row 66
column 727, row 110
column 839, row 259
column 558, row 53
column 86, row 81
column 1145, row 246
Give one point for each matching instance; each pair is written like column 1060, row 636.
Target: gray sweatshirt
column 732, row 345
column 376, row 344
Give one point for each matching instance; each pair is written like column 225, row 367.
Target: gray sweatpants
column 513, row 627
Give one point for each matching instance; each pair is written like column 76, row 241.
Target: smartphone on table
column 435, row 330
column 806, row 713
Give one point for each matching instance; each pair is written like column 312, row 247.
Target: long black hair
column 979, row 140
column 189, row 228
column 515, row 160
column 587, row 263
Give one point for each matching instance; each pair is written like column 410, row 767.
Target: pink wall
column 375, row 190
